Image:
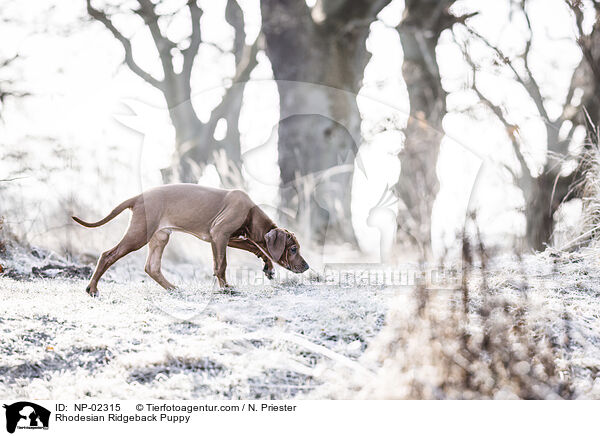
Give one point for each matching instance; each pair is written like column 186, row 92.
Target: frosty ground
column 139, row 341
column 288, row 338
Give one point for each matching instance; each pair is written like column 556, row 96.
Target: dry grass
column 474, row 343
column 587, row 188
column 515, row 328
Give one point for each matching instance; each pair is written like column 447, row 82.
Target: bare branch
column 511, row 129
column 575, row 6
column 232, row 94
column 247, row 61
column 163, row 44
column 235, row 17
column 434, row 19
column 569, row 112
column 8, row 89
column 585, row 41
column 14, row 178
column 242, row 75
column 530, row 86
column 101, row 16
column 189, row 54
column 19, row 94
column 8, row 61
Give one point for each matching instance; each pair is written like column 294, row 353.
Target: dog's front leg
column 219, row 248
column 244, row 244
column 268, row 269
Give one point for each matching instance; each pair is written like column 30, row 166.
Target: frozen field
column 284, row 339
column 137, row 340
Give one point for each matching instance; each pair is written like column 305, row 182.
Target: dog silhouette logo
column 26, row 415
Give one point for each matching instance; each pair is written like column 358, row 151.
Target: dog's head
column 284, row 249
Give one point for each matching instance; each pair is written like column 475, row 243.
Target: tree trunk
column 187, row 128
column 545, row 193
column 539, row 215
column 587, row 74
column 318, row 58
column 542, row 199
column 225, row 154
column 417, row 186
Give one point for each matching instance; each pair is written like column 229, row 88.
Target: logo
column 26, row 415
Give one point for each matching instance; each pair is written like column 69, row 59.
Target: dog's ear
column 275, row 240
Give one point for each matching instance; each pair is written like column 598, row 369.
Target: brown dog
column 221, row 217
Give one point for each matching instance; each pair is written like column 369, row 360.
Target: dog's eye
column 293, row 250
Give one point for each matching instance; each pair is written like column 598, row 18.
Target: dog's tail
column 127, row 204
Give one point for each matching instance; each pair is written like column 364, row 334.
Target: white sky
column 84, row 98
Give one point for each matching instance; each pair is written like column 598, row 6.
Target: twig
column 103, row 18
column 14, row 178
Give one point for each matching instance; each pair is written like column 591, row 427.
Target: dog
column 225, row 218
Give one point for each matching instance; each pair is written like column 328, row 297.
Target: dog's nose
column 305, row 267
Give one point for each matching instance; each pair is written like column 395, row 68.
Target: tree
column 195, row 145
column 318, row 56
column 587, row 74
column 417, row 186
column 546, row 188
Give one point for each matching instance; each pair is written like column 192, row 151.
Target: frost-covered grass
column 533, row 333
column 292, row 338
column 138, row 341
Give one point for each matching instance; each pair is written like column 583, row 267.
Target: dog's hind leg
column 156, row 247
column 107, row 259
column 135, row 238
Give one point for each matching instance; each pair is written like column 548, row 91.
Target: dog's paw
column 269, row 272
column 228, row 289
column 91, row 293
